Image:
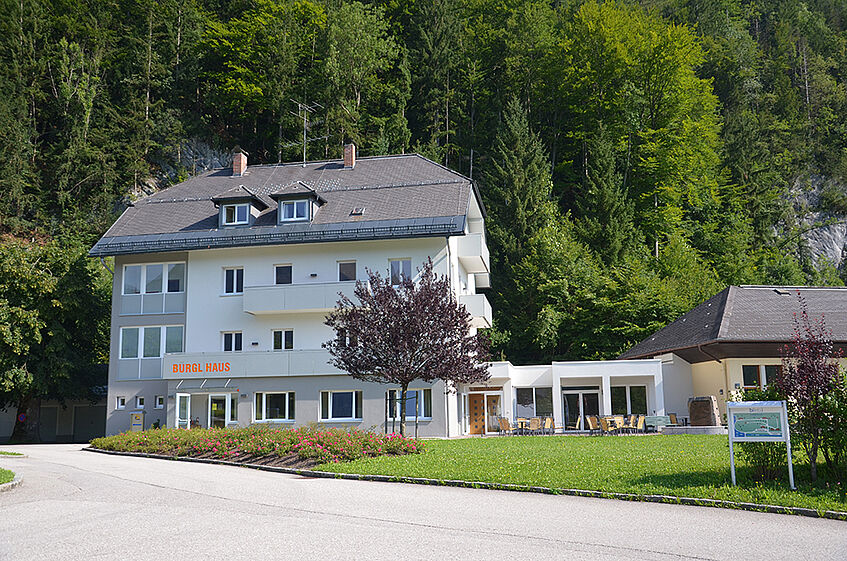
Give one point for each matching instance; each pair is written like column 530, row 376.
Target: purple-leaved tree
column 411, row 331
column 809, row 372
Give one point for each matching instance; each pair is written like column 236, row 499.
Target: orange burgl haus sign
column 189, row 367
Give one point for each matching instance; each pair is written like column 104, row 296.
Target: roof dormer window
column 234, row 215
column 293, row 210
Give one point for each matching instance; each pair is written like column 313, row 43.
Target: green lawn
column 682, row 466
column 4, row 453
column 6, row 476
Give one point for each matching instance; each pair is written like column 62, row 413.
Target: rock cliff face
column 178, row 163
column 825, row 230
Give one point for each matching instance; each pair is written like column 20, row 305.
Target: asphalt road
column 82, row 505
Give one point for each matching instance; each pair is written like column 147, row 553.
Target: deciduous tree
column 809, row 372
column 412, row 331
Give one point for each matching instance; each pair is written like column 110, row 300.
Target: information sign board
column 136, row 421
column 758, row 421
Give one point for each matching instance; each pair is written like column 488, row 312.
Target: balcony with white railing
column 473, row 253
column 309, row 362
column 479, row 308
column 295, row 298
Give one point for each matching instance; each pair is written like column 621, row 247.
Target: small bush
column 313, row 442
column 834, row 441
column 767, row 459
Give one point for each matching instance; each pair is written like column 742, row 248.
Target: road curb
column 12, row 484
column 667, row 499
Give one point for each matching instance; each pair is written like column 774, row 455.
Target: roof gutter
column 708, row 354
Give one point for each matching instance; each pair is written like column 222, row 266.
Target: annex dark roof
column 745, row 321
column 405, row 196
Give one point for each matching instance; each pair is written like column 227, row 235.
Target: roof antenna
column 303, row 110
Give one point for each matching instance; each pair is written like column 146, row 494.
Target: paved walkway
column 81, row 505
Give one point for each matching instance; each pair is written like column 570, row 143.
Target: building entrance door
column 476, row 413
column 578, row 405
column 217, row 411
column 183, row 410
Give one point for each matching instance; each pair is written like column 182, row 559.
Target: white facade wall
column 209, row 312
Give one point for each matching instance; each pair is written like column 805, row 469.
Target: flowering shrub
column 317, row 443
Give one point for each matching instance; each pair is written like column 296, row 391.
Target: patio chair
column 593, row 425
column 639, row 425
column 619, row 422
column 534, row 425
column 549, row 426
column 630, row 423
column 672, row 417
column 505, row 426
column 605, row 426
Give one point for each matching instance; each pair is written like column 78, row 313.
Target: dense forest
column 634, row 158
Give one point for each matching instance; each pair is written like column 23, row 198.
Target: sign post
column 758, row 421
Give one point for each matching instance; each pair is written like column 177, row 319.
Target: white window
column 120, row 402
column 293, row 210
column 159, row 402
column 175, row 278
column 757, row 376
column 274, row 407
column 418, row 403
column 232, row 341
column 283, row 339
column 154, row 278
column 346, row 270
column 534, row 402
column 629, row 400
column 139, row 402
column 282, row 274
column 129, row 342
column 236, row 214
column 400, row 268
column 174, row 339
column 341, row 406
column 234, row 280
column 150, row 340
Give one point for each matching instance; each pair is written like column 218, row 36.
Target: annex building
column 734, row 340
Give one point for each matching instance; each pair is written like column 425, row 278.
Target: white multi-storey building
column 222, row 284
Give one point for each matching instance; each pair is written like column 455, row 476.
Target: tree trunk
column 403, row 391
column 27, row 430
column 813, row 457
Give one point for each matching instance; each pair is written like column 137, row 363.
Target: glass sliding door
column 492, row 413
column 579, row 404
column 572, row 411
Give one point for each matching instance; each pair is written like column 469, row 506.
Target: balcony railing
column 478, row 306
column 295, row 298
column 247, row 364
column 473, row 253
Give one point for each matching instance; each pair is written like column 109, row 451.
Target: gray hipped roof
column 402, row 196
column 744, row 320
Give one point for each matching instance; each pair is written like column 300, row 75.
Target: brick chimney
column 239, row 161
column 349, row 156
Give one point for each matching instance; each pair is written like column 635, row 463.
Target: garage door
column 89, row 422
